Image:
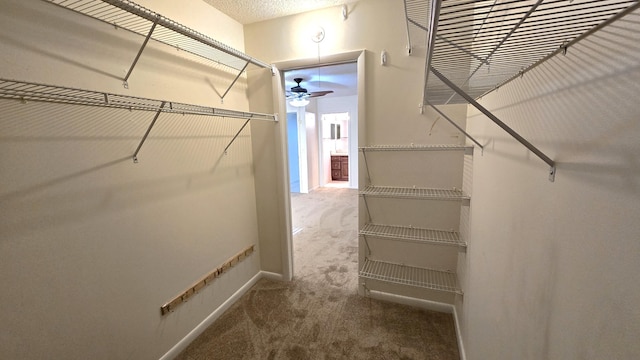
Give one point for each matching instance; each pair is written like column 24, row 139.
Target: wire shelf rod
column 25, row 91
column 412, row 147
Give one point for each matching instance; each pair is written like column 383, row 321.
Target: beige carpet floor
column 319, row 315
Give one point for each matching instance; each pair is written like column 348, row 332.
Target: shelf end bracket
column 236, row 136
column 125, row 82
column 234, row 81
column 146, row 134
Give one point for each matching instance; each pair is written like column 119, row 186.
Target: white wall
column 311, row 122
column 392, row 93
column 91, row 245
column 552, row 268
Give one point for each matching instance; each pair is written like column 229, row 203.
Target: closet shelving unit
column 139, row 20
column 475, row 47
column 413, row 193
column 27, row 91
column 404, row 274
column 125, row 14
column 410, row 275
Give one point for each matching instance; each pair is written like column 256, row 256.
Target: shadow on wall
column 593, row 109
column 66, row 163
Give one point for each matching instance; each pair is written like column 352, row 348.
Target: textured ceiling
column 250, row 11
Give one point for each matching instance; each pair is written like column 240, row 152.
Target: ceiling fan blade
column 320, row 93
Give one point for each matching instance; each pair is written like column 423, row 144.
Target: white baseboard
column 193, row 334
column 271, row 276
column 379, row 295
column 428, row 305
column 463, row 354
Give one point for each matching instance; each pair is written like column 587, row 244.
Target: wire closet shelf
column 130, row 16
column 410, row 275
column 418, row 147
column 413, row 234
column 481, row 45
column 27, row 91
column 414, row 193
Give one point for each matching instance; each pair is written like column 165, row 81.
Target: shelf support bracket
column 146, row 134
column 406, row 15
column 234, row 82
column 366, row 165
column 236, row 136
column 454, row 124
column 505, row 127
column 431, row 41
column 366, row 206
column 144, row 44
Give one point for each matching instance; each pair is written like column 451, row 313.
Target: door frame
column 280, row 103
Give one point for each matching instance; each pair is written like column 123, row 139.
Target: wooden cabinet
column 339, row 168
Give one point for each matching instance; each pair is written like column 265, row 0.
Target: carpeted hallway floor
column 319, row 315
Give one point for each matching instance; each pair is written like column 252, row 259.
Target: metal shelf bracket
column 495, row 119
column 236, row 136
column 454, row 124
column 144, row 44
column 146, row 134
column 233, row 82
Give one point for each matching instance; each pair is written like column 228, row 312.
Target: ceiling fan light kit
column 299, row 102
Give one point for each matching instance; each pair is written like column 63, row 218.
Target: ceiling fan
column 298, row 92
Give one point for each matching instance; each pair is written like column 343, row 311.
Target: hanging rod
column 27, row 91
column 130, row 16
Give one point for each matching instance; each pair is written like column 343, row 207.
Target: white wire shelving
column 419, row 147
column 128, row 15
column 413, row 234
column 414, row 193
column 481, row 45
column 410, row 275
column 468, row 150
column 474, row 47
column 27, row 91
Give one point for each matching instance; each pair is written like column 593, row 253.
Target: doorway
column 281, row 84
column 322, row 126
